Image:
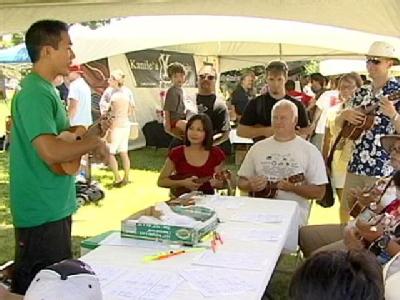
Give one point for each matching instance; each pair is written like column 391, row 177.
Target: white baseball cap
column 67, row 280
column 118, row 75
column 383, row 49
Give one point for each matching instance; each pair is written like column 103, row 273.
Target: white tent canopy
column 374, row 16
column 237, row 41
column 340, row 66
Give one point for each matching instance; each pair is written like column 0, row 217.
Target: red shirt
column 302, row 97
column 182, row 167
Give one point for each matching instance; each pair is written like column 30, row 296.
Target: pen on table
column 171, row 253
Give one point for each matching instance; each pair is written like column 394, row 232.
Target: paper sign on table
column 115, row 239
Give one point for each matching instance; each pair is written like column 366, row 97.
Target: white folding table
column 226, row 207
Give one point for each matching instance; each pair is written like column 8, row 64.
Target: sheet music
column 257, row 218
column 263, row 235
column 143, row 285
column 232, row 260
column 213, row 282
column 107, row 274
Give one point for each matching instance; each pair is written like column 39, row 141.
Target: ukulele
column 271, row 188
column 180, row 190
column 75, row 133
column 353, row 132
column 224, row 175
column 381, row 185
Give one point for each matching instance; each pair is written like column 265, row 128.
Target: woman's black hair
column 338, row 275
column 208, row 129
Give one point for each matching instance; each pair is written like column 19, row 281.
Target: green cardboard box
column 131, row 228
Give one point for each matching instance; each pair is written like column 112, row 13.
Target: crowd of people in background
column 299, row 141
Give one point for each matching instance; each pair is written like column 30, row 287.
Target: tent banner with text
column 149, row 67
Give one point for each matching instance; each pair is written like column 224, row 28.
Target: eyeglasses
column 373, row 60
column 206, row 77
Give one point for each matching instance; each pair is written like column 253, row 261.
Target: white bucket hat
column 67, row 280
column 383, row 49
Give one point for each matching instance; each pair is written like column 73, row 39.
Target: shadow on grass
column 7, row 244
column 148, row 159
column 278, row 286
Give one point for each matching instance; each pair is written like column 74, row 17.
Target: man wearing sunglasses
column 206, row 101
column 256, row 119
column 369, row 161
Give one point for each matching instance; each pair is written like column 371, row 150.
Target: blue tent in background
column 14, row 55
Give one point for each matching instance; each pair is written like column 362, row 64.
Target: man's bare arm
column 72, row 108
column 54, row 150
column 254, row 131
column 309, row 191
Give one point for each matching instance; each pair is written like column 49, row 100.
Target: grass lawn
column 119, row 203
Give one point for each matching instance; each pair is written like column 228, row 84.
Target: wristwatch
column 379, row 245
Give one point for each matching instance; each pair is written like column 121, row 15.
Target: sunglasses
column 207, row 77
column 373, row 61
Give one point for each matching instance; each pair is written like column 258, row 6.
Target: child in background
column 174, row 108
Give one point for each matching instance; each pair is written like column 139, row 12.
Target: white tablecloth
column 232, row 231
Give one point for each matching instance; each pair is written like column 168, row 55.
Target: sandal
column 118, row 184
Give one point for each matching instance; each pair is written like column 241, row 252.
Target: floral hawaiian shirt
column 369, row 158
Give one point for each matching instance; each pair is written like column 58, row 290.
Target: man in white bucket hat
column 383, row 50
column 369, row 161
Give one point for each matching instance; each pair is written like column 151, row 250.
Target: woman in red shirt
column 196, row 159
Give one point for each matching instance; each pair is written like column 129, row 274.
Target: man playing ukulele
column 369, row 161
column 281, row 157
column 42, row 201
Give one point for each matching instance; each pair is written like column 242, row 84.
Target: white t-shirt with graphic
column 279, row 160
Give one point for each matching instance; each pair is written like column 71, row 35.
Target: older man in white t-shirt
column 79, row 99
column 283, row 156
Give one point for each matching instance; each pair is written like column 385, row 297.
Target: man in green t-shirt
column 43, row 201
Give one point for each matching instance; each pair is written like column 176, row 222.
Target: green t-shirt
column 37, row 194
